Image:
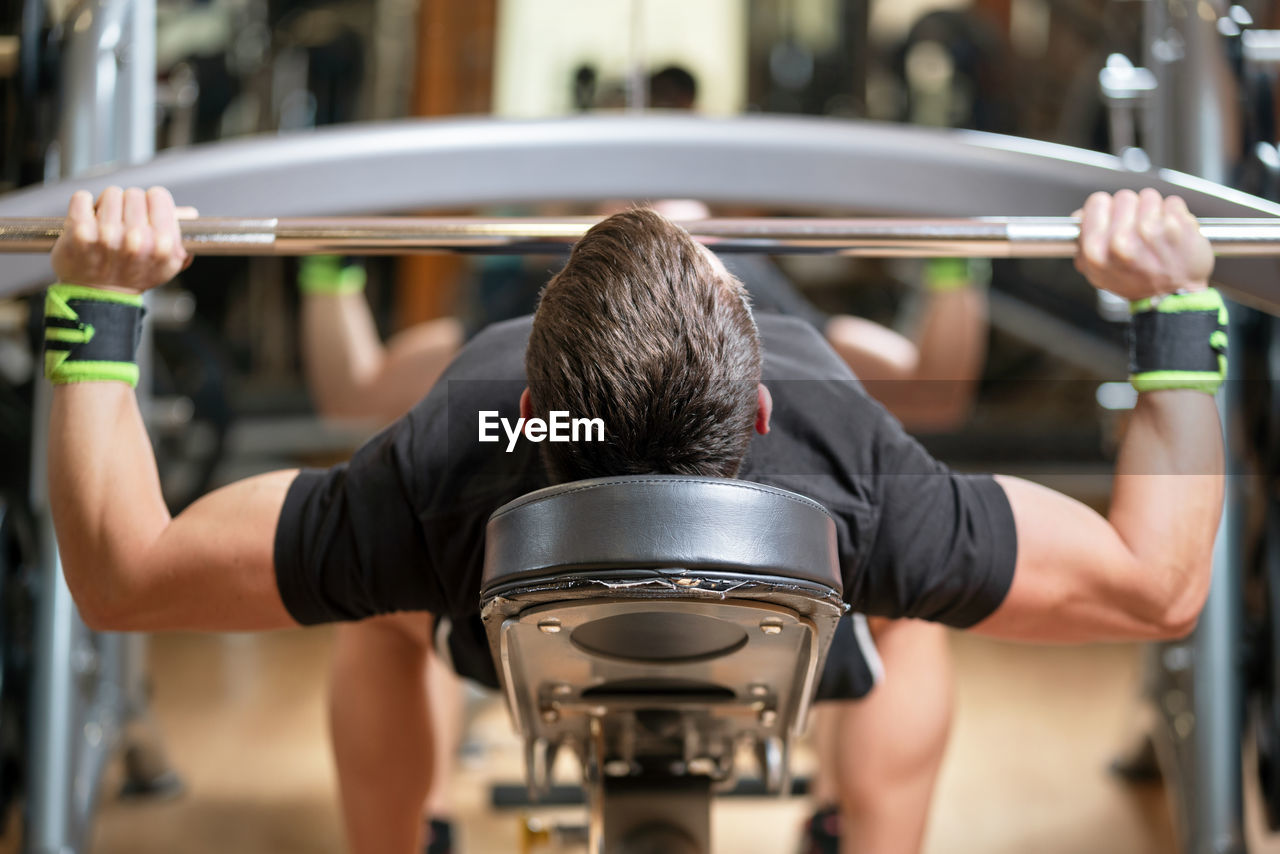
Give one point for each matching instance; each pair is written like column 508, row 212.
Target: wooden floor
column 244, row 719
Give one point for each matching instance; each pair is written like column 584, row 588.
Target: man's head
column 645, row 329
column 673, row 88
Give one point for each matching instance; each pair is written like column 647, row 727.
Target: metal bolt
column 1184, row 724
column 84, row 660
column 550, row 627
column 562, row 690
column 1177, row 658
column 768, row 717
column 550, row 716
column 1175, row 701
column 759, row 690
column 771, row 626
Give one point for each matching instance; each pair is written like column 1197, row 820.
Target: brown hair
column 641, row 330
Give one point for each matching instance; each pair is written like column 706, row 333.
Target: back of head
column 673, row 88
column 641, row 330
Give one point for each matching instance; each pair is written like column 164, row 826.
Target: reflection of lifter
column 887, row 747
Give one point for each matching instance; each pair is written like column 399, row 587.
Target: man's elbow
column 943, row 415
column 103, row 610
column 362, row 403
column 101, row 615
column 1178, row 613
column 932, row 405
column 338, row 405
column 1178, row 622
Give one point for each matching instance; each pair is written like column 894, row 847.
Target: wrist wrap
column 1178, row 341
column 326, row 274
column 952, row 274
column 91, row 335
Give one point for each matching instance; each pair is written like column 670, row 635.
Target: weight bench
column 655, row 625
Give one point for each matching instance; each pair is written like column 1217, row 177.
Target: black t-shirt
column 401, row 526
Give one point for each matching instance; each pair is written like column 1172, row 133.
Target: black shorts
column 853, row 665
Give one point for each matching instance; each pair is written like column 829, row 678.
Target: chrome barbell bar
column 983, row 237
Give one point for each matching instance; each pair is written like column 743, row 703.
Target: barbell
column 984, row 237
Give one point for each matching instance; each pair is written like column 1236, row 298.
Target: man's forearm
column 1143, row 572
column 353, row 373
column 127, row 564
column 104, row 491
column 342, row 351
column 926, row 381
column 951, row 340
column 1167, row 495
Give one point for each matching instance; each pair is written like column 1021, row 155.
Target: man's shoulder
column 515, row 329
column 497, row 350
column 459, row 473
column 793, row 349
column 824, row 424
column 487, row 367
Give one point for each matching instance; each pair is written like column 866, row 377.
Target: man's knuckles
column 1094, row 254
column 1151, row 229
column 1124, row 206
column 109, row 236
column 1123, row 248
column 163, row 247
column 135, row 244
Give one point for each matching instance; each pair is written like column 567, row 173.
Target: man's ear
column 526, row 405
column 764, row 409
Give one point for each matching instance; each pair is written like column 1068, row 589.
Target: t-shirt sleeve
column 349, row 544
column 945, row 544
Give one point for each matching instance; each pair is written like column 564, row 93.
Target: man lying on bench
column 644, row 330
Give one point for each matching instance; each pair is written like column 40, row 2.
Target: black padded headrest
column 664, row 522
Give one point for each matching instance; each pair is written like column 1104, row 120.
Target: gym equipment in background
column 776, row 162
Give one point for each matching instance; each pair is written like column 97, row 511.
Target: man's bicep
column 1072, row 576
column 213, row 567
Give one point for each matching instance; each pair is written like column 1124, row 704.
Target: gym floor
column 244, row 719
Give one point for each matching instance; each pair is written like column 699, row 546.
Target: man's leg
column 885, row 750
column 447, row 710
column 381, row 731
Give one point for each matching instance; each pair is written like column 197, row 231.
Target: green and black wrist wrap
column 91, row 335
column 1179, row 341
column 327, row 274
column 942, row 275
